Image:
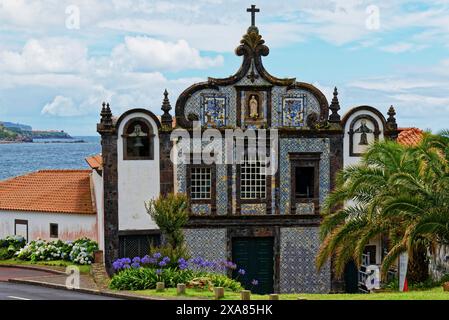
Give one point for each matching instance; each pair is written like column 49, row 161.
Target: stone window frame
column 151, row 136
column 213, row 198
column 305, row 159
column 351, row 132
column 266, row 200
column 196, row 179
column 258, row 183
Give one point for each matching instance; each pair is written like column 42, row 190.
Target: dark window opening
column 305, row 182
column 138, row 139
column 371, row 251
column 53, row 230
column 137, row 245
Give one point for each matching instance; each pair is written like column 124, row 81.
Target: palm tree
column 395, row 191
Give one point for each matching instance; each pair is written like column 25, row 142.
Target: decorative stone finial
column 105, row 124
column 166, row 119
column 391, row 121
column 334, row 107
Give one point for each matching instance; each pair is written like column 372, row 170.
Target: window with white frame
column 200, row 183
column 253, row 178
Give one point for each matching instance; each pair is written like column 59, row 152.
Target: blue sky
column 60, row 59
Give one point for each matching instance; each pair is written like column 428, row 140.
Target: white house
column 49, row 204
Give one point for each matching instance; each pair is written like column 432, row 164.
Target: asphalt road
column 13, row 291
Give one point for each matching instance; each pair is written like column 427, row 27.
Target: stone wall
column 298, row 273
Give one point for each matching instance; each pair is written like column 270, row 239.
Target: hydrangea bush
column 79, row 252
column 11, row 245
column 141, row 273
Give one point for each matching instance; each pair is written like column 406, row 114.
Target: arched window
column 138, row 140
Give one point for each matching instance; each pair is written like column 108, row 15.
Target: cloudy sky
column 60, row 59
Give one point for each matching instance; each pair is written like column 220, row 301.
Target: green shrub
column 4, row 254
column 10, row 245
column 220, row 280
column 170, row 213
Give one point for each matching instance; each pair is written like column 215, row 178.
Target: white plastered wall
column 70, row 226
column 138, row 182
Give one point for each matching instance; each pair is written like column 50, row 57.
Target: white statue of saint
column 253, row 107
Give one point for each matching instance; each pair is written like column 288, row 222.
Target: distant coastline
column 21, row 133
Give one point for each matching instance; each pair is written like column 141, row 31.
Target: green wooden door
column 255, row 256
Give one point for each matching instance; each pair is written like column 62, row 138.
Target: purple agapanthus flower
column 166, row 259
column 145, row 260
column 162, row 264
column 159, row 271
column 136, row 260
column 242, row 272
column 157, row 255
column 135, row 265
column 254, row 282
column 117, row 265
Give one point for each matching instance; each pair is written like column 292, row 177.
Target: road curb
column 28, row 267
column 83, row 290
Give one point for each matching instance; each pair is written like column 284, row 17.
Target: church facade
column 266, row 221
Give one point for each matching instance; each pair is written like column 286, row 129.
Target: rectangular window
column 253, row 179
column 53, row 230
column 21, row 228
column 305, row 182
column 201, row 182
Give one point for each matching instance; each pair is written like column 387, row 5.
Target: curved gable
column 226, row 102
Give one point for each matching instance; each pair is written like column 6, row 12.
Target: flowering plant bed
column 143, row 273
column 79, row 252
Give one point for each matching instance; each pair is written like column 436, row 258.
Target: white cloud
column 45, row 56
column 148, row 54
column 62, row 107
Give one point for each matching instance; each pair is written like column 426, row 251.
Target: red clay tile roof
column 95, row 162
column 56, row 191
column 410, row 136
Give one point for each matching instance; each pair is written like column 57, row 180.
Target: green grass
column 60, row 264
column 431, row 294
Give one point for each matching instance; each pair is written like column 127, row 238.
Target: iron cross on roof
column 253, row 11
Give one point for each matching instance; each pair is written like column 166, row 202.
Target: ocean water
column 20, row 158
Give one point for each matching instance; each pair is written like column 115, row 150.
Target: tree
column 395, row 191
column 170, row 214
